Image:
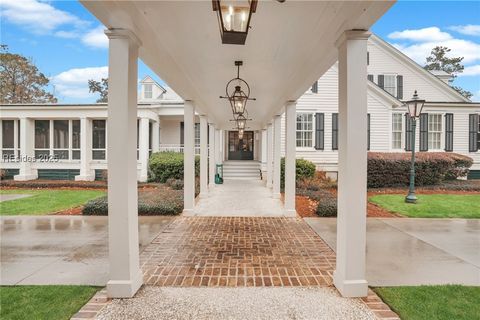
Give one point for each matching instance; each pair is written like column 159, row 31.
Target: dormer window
column 147, row 91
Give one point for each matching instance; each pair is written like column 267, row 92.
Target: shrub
column 317, row 182
column 175, row 184
column 393, row 169
column 169, row 165
column 303, row 168
column 326, row 201
column 158, row 201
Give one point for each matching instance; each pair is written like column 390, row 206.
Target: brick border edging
column 93, row 307
column 381, row 310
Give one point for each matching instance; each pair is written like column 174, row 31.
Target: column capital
column 117, row 33
column 352, row 35
column 290, row 102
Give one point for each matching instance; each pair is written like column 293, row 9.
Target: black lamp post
column 414, row 108
column 234, row 19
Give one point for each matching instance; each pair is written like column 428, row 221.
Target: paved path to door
column 403, row 251
column 239, row 198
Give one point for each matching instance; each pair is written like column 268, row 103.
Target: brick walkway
column 231, row 251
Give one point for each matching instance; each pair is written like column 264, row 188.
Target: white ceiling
column 289, row 46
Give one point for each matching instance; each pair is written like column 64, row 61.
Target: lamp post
column 414, row 108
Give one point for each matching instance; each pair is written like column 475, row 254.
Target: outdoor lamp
column 414, row 108
column 234, row 19
column 236, row 95
column 240, row 134
column 238, row 101
column 241, row 122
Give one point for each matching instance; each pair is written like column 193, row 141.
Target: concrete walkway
column 402, row 251
column 61, row 249
column 239, row 198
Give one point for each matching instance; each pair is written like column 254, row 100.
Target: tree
column 21, row 81
column 101, row 87
column 438, row 60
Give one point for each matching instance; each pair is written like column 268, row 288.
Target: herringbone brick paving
column 238, row 251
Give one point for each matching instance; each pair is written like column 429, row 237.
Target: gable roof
column 421, row 71
column 148, row 79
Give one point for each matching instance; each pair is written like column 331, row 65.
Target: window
column 434, row 131
column 60, row 139
column 397, row 125
column 62, row 142
column 8, row 137
column 390, row 84
column 99, row 138
column 76, row 139
column 147, row 91
column 304, row 130
column 42, row 138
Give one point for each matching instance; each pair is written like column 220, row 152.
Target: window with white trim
column 390, row 84
column 397, row 125
column 304, row 130
column 42, row 138
column 62, row 143
column 434, row 131
column 10, row 133
column 99, row 147
column 148, row 91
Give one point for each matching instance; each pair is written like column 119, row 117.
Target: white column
column 211, row 155
column 189, row 157
column 263, row 154
column 203, row 156
column 222, row 145
column 125, row 274
column 86, row 173
column 349, row 276
column 156, row 135
column 27, row 137
column 277, row 144
column 218, row 157
column 269, row 155
column 143, row 152
column 290, row 160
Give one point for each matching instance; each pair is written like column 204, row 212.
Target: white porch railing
column 165, row 147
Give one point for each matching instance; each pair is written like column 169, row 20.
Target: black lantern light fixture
column 236, row 95
column 234, row 19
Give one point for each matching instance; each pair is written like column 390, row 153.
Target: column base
column 350, row 288
column 124, row 288
column 143, row 178
column 88, row 177
column 25, row 177
column 290, row 213
column 187, row 211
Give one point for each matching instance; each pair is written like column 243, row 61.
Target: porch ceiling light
column 415, row 106
column 240, row 133
column 241, row 122
column 234, row 19
column 237, row 96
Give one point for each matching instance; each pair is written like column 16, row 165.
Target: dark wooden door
column 240, row 149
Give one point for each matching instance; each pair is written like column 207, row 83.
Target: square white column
column 349, row 275
column 27, row 137
column 125, row 274
column 263, row 154
column 143, row 146
column 211, row 155
column 290, row 159
column 269, row 155
column 189, row 157
column 156, row 135
column 277, row 144
column 218, row 156
column 86, row 173
column 203, row 155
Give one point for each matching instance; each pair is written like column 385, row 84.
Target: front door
column 240, row 149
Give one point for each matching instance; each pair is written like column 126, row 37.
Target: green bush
column 304, row 169
column 326, row 201
column 393, row 169
column 168, row 165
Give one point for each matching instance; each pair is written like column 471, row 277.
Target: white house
column 56, row 132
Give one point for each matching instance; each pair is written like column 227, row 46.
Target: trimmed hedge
column 159, row 201
column 168, row 165
column 393, row 169
column 304, row 169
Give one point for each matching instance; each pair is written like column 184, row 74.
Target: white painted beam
column 143, row 151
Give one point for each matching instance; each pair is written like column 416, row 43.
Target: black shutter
column 400, row 87
column 473, row 132
column 424, row 132
column 368, row 131
column 408, row 132
column 449, row 132
column 315, row 87
column 368, row 58
column 319, row 131
column 182, row 135
column 334, row 131
column 370, row 77
column 381, row 81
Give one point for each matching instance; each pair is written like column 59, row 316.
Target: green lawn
column 43, row 302
column 44, row 201
column 432, row 205
column 433, row 302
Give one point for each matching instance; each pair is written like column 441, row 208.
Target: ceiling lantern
column 234, row 19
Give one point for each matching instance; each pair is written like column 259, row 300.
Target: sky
column 68, row 45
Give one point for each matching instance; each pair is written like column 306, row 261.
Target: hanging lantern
column 234, row 19
column 241, row 122
column 240, row 134
column 236, row 95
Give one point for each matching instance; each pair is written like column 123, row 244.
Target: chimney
column 442, row 75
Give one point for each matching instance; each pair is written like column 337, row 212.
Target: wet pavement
column 8, row 197
column 61, row 249
column 416, row 251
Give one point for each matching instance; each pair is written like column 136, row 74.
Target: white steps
column 241, row 170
